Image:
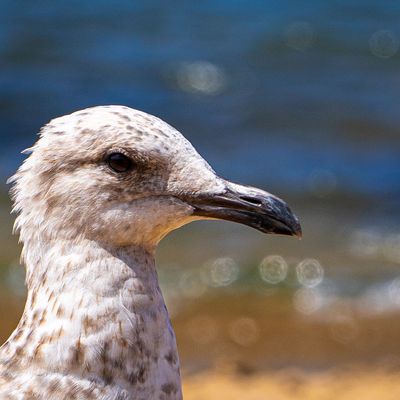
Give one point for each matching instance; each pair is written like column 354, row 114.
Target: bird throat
column 96, row 313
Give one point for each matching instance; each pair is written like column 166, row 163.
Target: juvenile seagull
column 100, row 189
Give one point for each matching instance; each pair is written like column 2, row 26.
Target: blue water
column 282, row 111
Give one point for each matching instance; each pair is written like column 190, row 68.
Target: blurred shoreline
column 250, row 333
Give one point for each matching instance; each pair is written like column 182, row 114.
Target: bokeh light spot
column 201, row 77
column 307, row 301
column 191, row 284
column 244, row 331
column 222, row 271
column 384, row 44
column 273, row 269
column 309, row 273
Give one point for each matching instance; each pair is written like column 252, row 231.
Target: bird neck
column 98, row 313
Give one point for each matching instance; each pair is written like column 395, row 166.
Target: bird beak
column 249, row 206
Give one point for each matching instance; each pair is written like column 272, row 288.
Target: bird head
column 120, row 176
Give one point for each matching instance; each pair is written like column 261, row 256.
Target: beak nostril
column 252, row 200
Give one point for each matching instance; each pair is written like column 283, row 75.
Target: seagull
column 101, row 187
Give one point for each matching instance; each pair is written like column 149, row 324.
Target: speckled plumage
column 95, row 325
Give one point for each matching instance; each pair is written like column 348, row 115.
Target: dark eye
column 119, row 162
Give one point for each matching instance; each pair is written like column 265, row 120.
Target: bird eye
column 119, row 162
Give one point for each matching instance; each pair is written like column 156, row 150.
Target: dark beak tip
column 288, row 229
column 264, row 212
column 296, row 228
column 286, row 220
column 298, row 232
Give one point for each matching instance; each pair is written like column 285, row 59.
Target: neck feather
column 97, row 313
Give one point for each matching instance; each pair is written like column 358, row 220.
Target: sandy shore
column 294, row 385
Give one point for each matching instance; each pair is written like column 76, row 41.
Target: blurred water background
column 299, row 98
